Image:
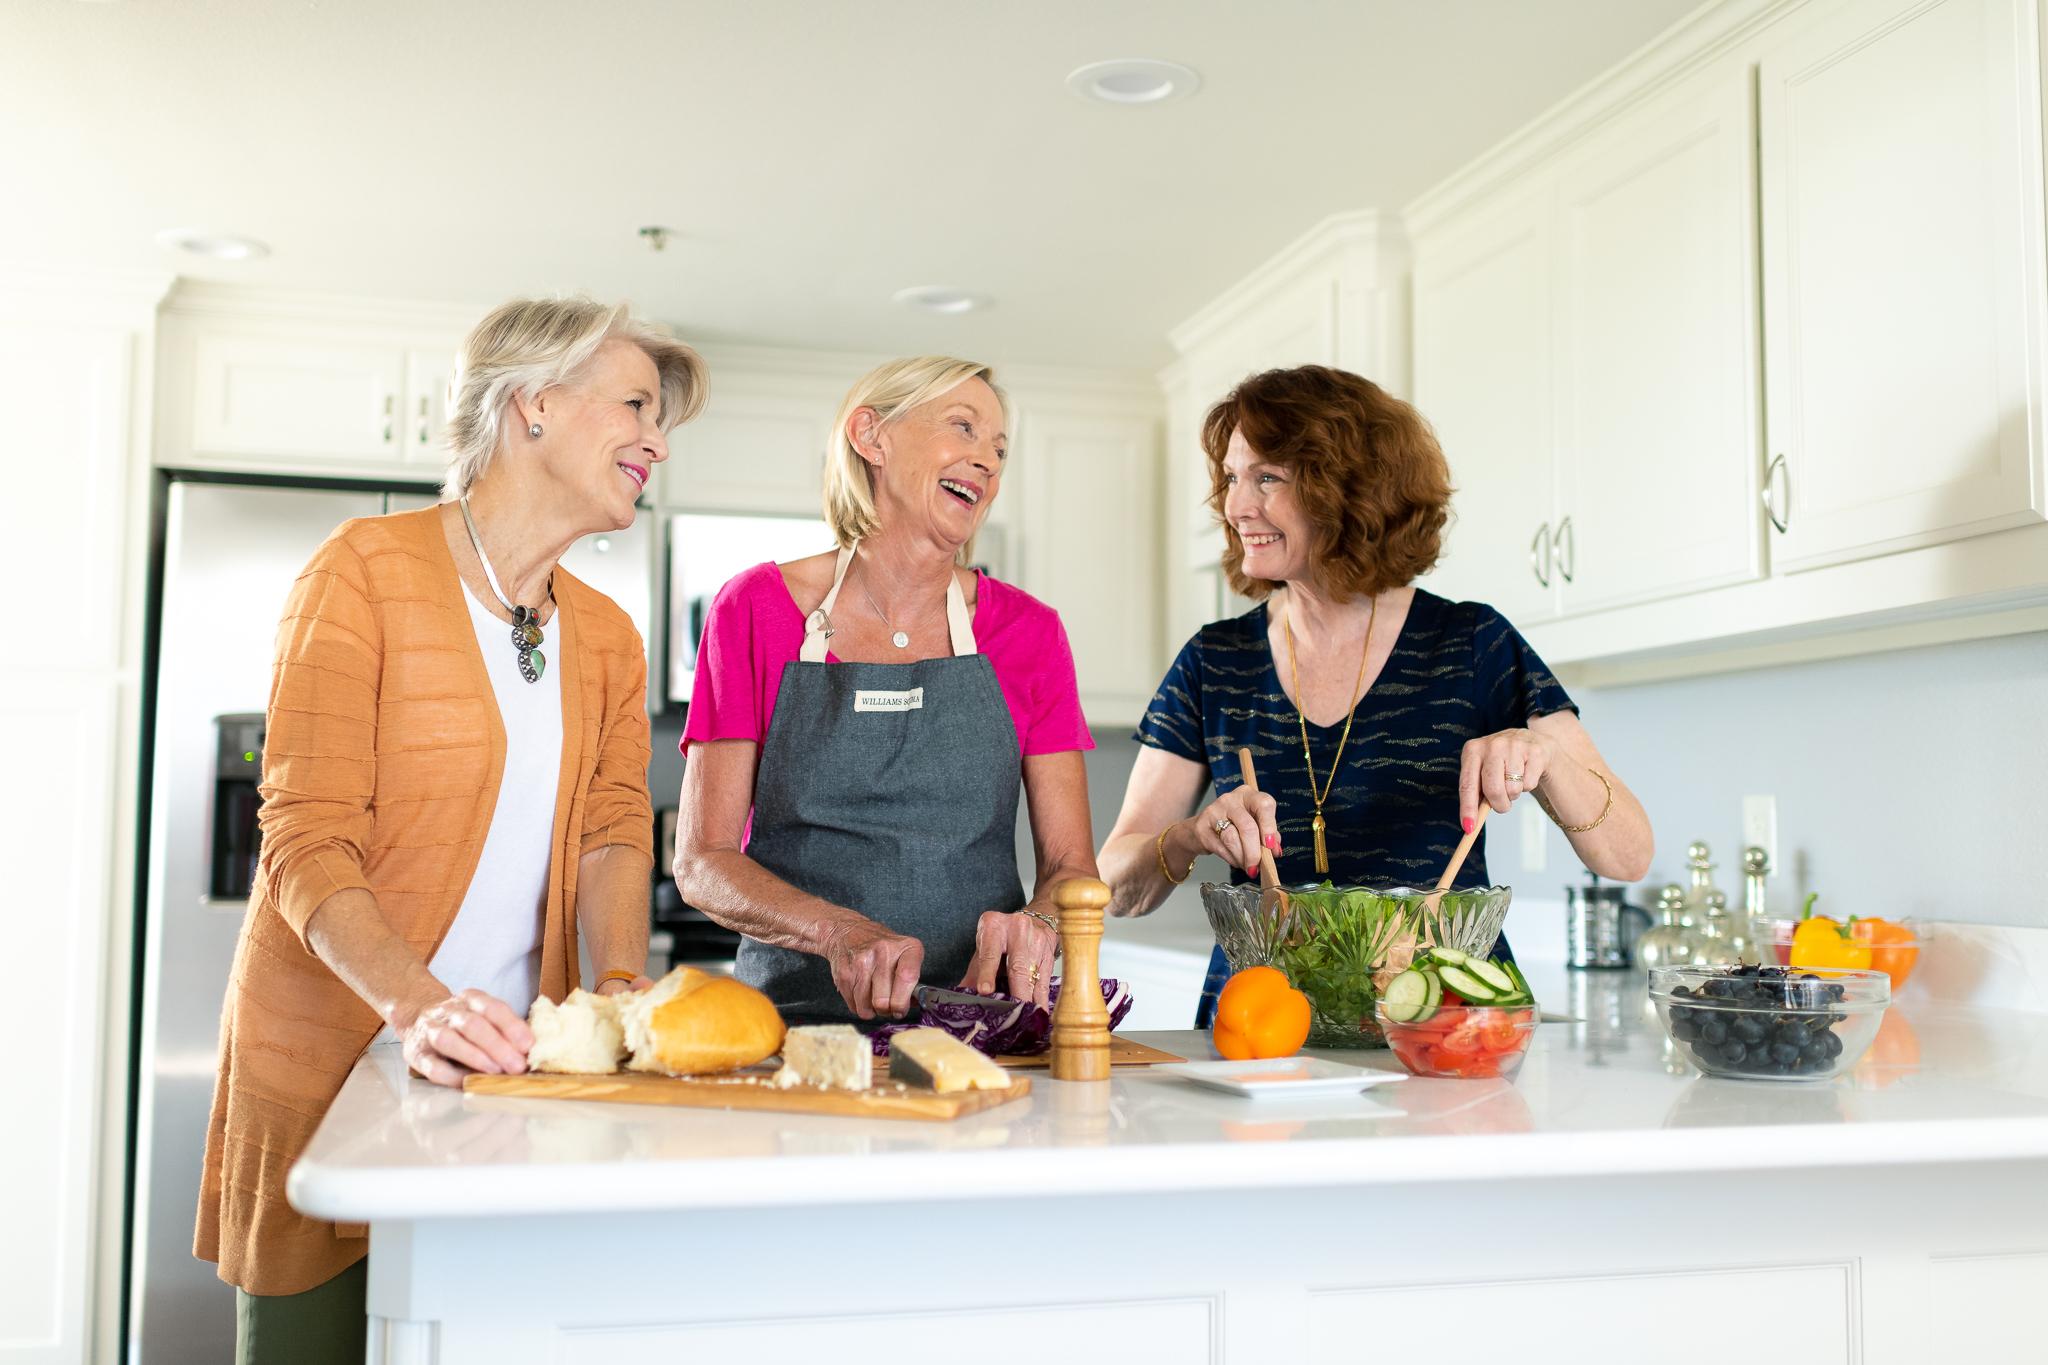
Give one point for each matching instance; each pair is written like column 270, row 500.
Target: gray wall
column 1908, row 782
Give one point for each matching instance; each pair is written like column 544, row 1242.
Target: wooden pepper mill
column 1080, row 1022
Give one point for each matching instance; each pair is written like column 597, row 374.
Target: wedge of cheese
column 833, row 1055
column 936, row 1060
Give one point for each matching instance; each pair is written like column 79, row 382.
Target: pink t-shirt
column 754, row 628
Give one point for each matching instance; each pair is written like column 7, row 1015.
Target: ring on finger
column 1219, row 825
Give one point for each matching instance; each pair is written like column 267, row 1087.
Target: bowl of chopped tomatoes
column 1463, row 1041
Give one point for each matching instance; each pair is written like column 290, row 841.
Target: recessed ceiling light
column 1134, row 80
column 217, row 246
column 935, row 298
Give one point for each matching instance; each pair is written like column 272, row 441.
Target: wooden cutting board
column 886, row 1100
column 1122, row 1052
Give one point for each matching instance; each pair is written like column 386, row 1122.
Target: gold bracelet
column 616, row 974
column 1551, row 810
column 1166, row 871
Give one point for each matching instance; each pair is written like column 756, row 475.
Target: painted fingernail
column 1251, row 870
column 1273, row 842
column 1468, row 826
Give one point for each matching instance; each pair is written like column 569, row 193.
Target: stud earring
column 534, row 431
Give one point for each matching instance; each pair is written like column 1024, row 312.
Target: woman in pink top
column 862, row 719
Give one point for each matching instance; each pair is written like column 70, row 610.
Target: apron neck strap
column 818, row 625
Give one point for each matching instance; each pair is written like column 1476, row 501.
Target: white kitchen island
column 1609, row 1205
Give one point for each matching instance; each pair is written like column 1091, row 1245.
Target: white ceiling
column 815, row 156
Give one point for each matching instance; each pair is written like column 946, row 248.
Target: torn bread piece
column 936, row 1060
column 691, row 1023
column 581, row 1036
column 838, row 1056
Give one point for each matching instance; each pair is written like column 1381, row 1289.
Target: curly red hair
column 1367, row 470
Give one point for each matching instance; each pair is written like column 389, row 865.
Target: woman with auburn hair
column 1380, row 714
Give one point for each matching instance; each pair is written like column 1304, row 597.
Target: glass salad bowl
column 1339, row 946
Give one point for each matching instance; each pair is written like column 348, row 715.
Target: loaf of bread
column 581, row 1036
column 692, row 1022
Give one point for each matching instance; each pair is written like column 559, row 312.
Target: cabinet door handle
column 390, row 407
column 1780, row 515
column 1539, row 555
column 423, row 420
column 1567, row 542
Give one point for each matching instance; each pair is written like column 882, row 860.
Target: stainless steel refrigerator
column 230, row 554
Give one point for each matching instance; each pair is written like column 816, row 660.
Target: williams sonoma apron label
column 913, row 700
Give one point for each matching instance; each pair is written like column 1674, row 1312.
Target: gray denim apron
column 890, row 789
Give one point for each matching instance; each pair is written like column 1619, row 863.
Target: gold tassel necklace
column 1308, row 759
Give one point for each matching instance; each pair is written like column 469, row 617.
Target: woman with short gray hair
column 454, row 789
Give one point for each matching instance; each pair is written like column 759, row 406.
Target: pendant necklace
column 898, row 638
column 526, row 636
column 1308, row 760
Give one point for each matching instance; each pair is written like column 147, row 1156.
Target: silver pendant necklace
column 526, row 636
column 898, row 638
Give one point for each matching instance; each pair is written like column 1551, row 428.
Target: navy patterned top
column 1458, row 671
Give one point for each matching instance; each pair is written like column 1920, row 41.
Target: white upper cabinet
column 1483, row 324
column 1902, row 201
column 278, row 383
column 294, row 398
column 755, row 448
column 429, row 371
column 1656, row 414
column 1088, row 487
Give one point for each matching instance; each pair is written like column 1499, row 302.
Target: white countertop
column 1594, row 1097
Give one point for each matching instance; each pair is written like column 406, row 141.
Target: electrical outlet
column 1535, row 837
column 1760, row 828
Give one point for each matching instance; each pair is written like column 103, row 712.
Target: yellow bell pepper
column 1820, row 942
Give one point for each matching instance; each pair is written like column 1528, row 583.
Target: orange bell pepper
column 1820, row 942
column 1894, row 948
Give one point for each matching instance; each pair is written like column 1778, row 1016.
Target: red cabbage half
column 997, row 1024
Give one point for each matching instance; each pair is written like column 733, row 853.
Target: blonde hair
column 531, row 344
column 891, row 389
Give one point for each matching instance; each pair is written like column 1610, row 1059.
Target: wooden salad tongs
column 1273, row 899
column 1458, row 855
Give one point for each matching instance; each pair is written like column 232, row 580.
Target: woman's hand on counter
column 874, row 970
column 1013, row 946
column 465, row 1032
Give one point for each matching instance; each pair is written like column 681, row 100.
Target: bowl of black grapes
column 1770, row 1023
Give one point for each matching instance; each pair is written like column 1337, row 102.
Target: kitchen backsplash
column 1913, row 782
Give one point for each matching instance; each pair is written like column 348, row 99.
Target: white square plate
column 1294, row 1077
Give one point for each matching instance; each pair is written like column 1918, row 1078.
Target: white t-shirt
column 494, row 943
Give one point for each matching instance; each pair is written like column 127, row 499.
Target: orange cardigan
column 380, row 770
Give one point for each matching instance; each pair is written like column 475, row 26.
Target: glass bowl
column 1339, row 945
column 1771, row 1023
column 1463, row 1041
column 1895, row 957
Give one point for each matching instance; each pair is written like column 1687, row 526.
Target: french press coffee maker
column 1597, row 933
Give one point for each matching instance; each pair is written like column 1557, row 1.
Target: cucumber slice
column 1492, row 975
column 1475, row 991
column 1449, row 957
column 1407, row 998
column 1436, row 990
column 1521, row 982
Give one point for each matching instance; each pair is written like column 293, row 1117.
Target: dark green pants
column 324, row 1325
